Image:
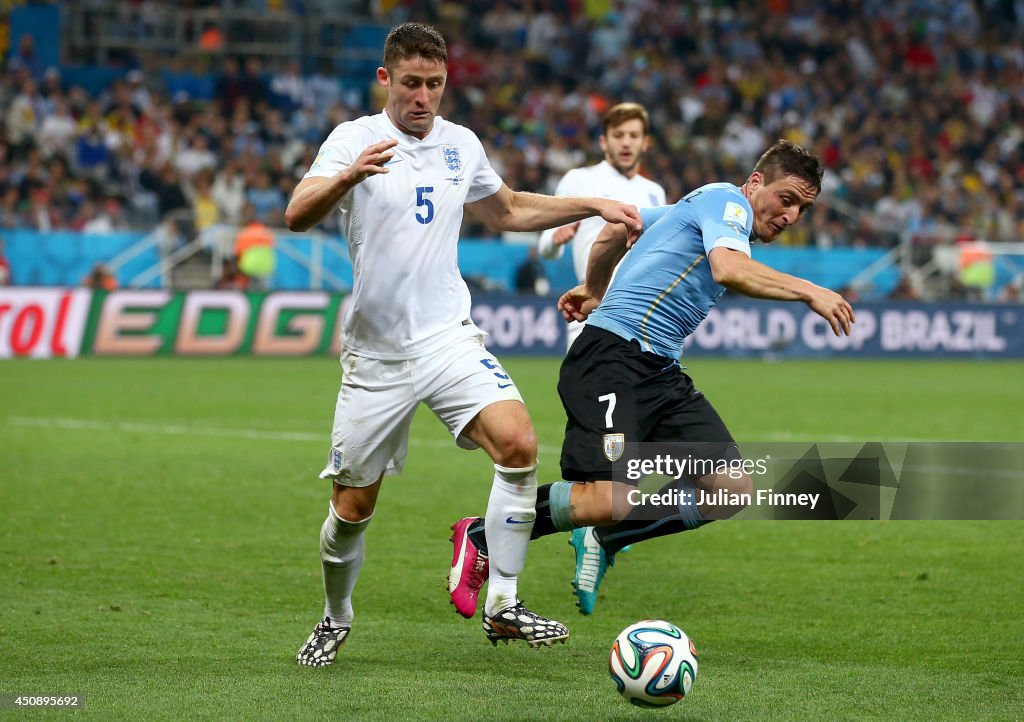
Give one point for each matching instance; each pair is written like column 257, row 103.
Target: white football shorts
column 378, row 398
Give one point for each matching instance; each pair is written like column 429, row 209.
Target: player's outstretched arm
column 738, row 272
column 509, row 210
column 314, row 198
column 608, row 249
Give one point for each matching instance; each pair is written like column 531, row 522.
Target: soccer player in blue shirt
column 622, row 382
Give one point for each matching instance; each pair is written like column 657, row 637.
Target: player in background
column 622, row 381
column 624, row 140
column 400, row 180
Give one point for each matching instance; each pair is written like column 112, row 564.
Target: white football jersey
column 604, row 181
column 402, row 229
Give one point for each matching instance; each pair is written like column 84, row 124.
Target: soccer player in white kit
column 624, row 140
column 400, row 180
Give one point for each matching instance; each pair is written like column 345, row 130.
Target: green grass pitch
column 158, row 554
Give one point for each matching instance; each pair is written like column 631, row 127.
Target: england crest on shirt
column 452, row 159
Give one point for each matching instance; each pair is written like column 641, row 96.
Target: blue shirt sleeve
column 650, row 216
column 725, row 218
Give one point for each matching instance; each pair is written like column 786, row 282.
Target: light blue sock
column 558, row 501
column 689, row 512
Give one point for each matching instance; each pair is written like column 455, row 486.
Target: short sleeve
column 485, row 182
column 338, row 152
column 568, row 185
column 725, row 220
column 650, row 216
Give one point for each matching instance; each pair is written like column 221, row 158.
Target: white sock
column 511, row 511
column 341, row 555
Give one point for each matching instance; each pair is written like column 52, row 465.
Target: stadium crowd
column 915, row 107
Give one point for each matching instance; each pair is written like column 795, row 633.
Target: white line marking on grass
column 151, row 428
column 184, row 429
column 839, row 438
column 143, row 427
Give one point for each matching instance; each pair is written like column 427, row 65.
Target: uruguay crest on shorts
column 614, row 445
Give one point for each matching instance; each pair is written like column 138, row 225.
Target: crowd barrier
column 63, row 258
column 66, row 322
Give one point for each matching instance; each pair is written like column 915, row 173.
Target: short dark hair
column 622, row 112
column 410, row 40
column 786, row 158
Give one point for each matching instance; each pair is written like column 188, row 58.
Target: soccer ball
column 653, row 663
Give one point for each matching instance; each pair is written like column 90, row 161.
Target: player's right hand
column 371, row 161
column 564, row 234
column 835, row 309
column 615, row 212
column 577, row 303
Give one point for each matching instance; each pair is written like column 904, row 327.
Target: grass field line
column 144, row 427
column 62, row 422
column 107, row 426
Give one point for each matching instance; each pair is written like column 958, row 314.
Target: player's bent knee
column 353, row 503
column 517, row 449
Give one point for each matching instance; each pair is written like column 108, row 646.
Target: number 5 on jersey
column 422, row 202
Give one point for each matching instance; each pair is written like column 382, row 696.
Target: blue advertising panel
column 526, row 325
column 749, row 328
column 894, row 329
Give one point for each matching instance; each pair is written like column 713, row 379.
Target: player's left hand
column 577, row 303
column 627, row 215
column 835, row 309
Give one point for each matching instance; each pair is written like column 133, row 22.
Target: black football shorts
column 613, row 392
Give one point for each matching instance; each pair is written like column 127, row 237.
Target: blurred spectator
column 100, row 279
column 850, row 293
column 254, row 249
column 904, row 290
column 230, row 86
column 105, row 217
column 166, row 184
column 289, row 88
column 11, row 215
column 5, row 267
column 138, row 92
column 530, row 276
column 977, row 269
column 92, row 156
column 196, row 156
column 41, row 216
column 25, row 57
column 204, row 206
column 23, row 116
column 228, row 192
column 231, row 278
column 57, row 129
column 1010, row 293
column 267, row 201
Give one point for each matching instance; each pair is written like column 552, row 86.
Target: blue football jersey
column 663, row 288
